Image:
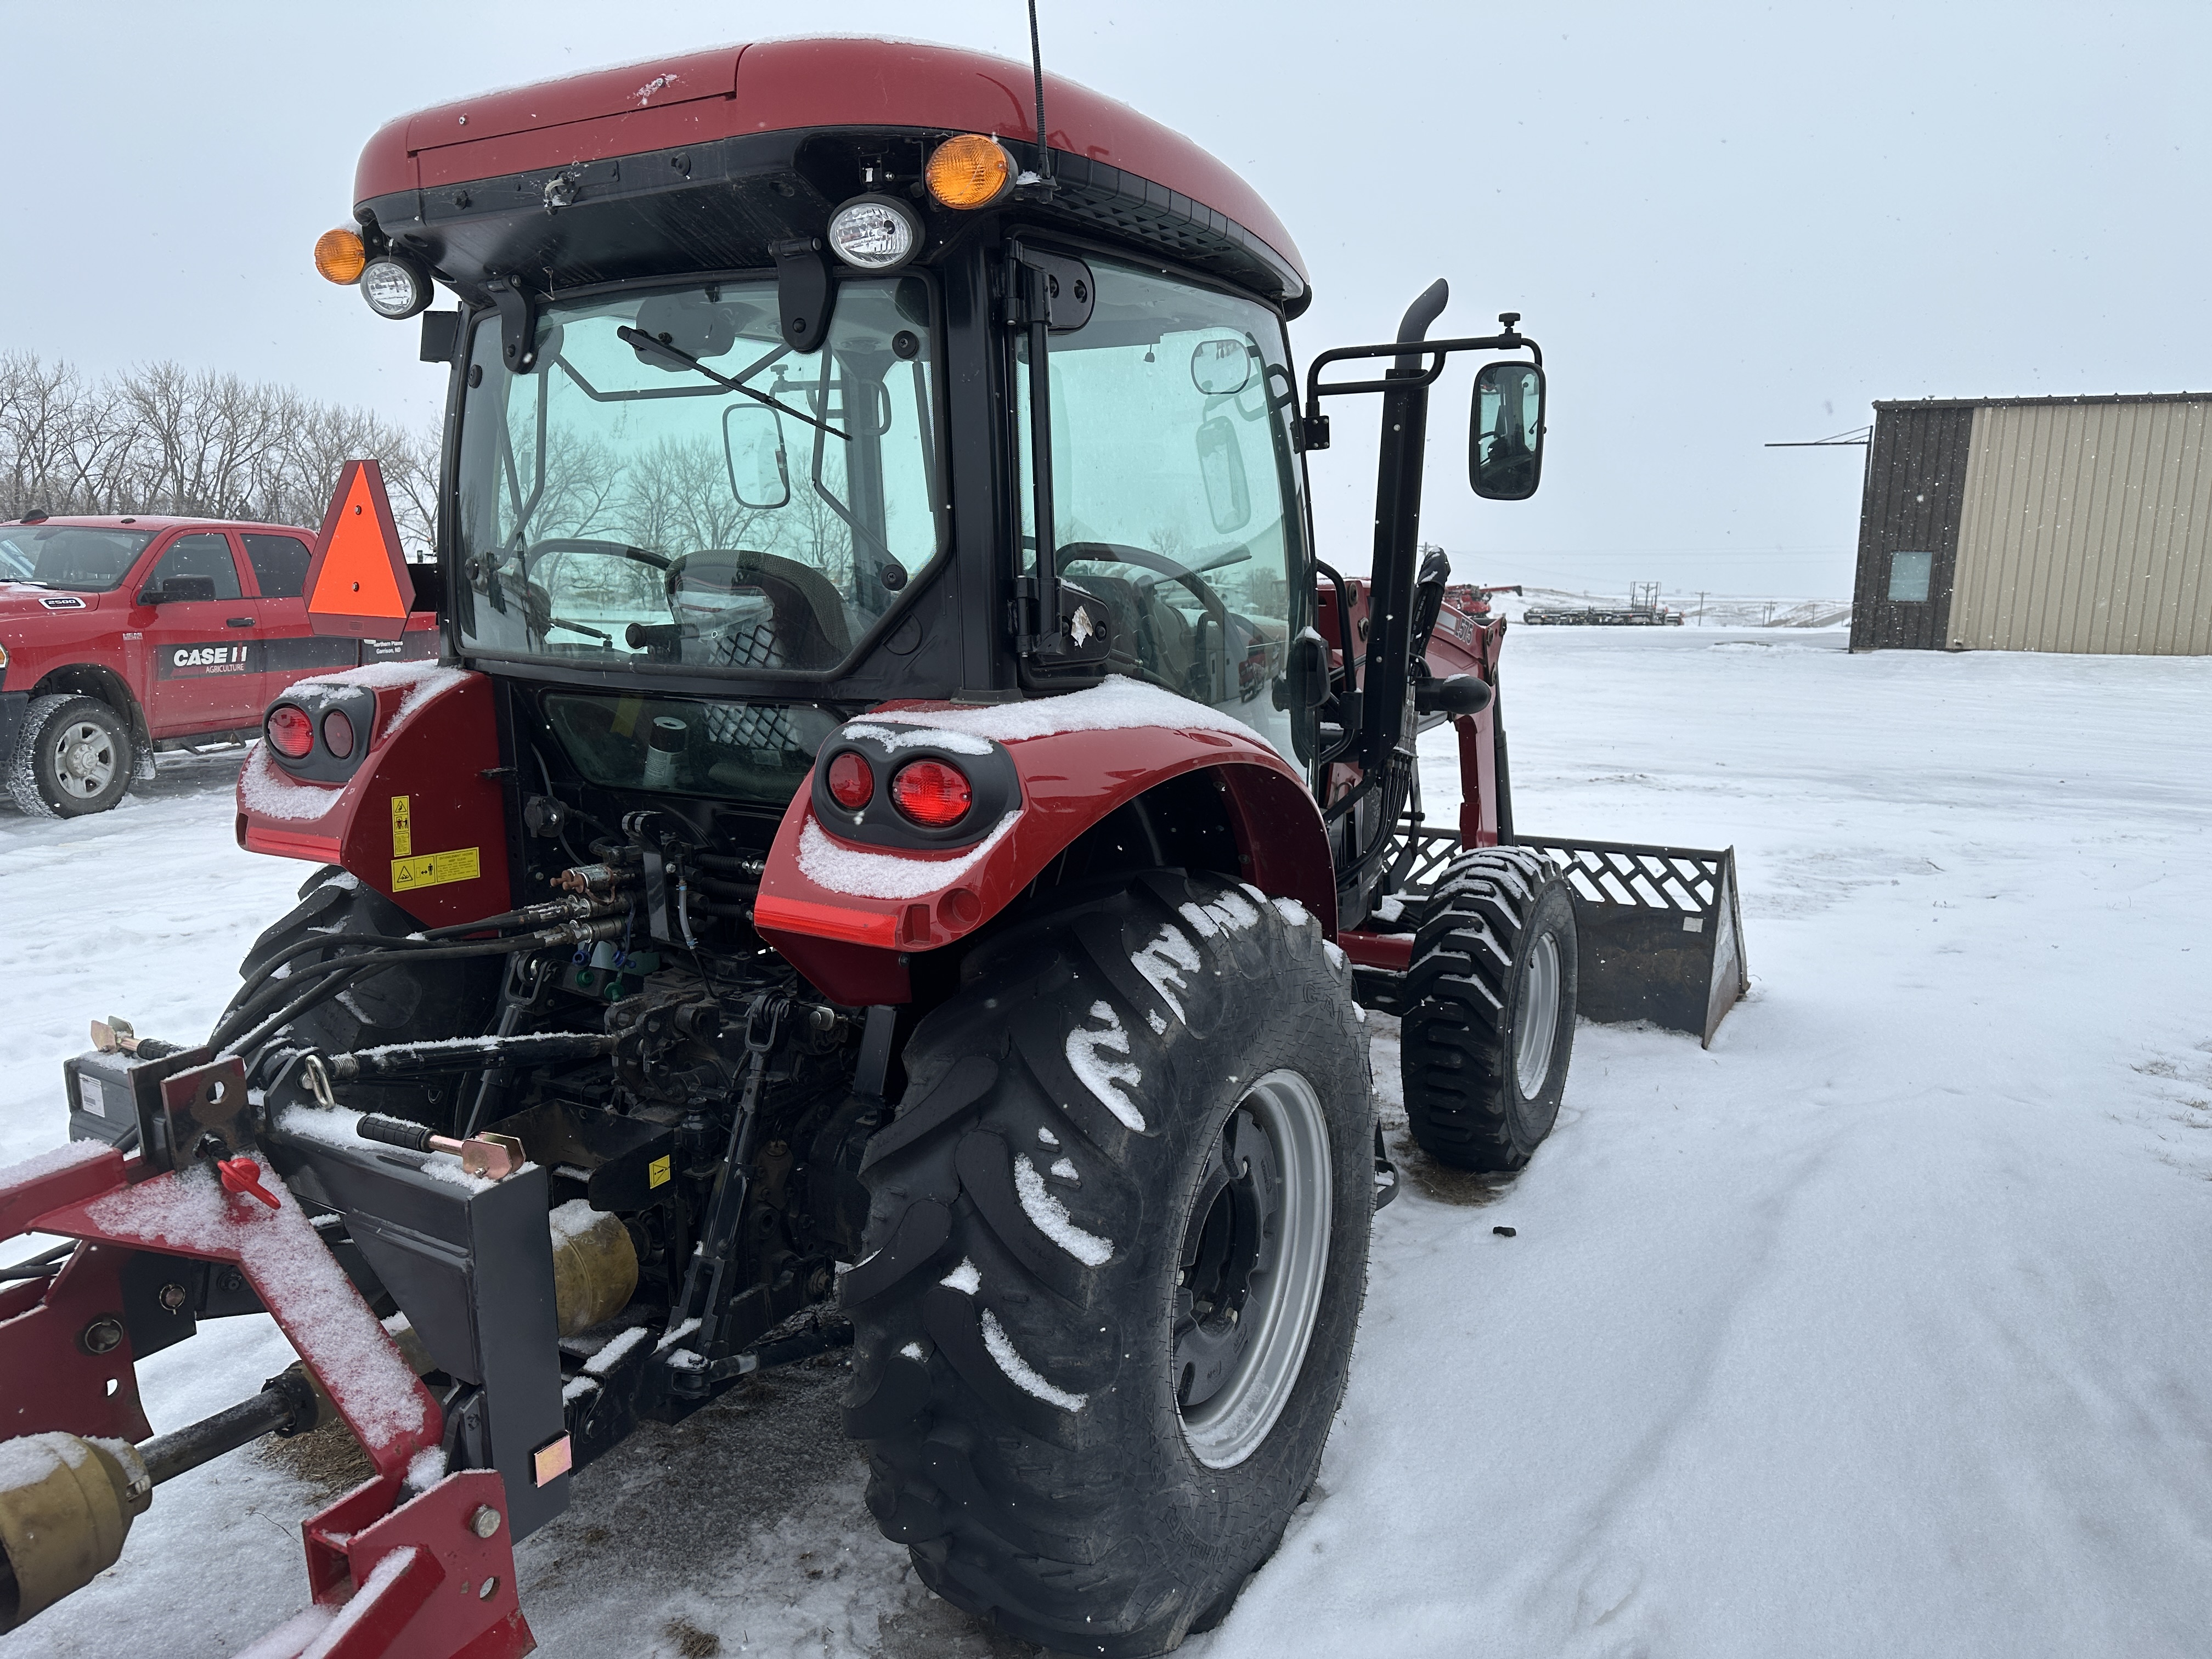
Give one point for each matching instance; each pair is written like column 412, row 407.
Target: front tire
column 74, row 757
column 1490, row 1026
column 1116, row 1251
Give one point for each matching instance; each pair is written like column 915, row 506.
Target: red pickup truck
column 119, row 636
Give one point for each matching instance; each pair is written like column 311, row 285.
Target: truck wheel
column 1490, row 1000
column 424, row 1002
column 1116, row 1249
column 73, row 757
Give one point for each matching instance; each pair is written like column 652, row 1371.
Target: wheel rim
column 1254, row 1261
column 84, row 760
column 1536, row 1020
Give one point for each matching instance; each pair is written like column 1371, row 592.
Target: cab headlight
column 394, row 287
column 875, row 233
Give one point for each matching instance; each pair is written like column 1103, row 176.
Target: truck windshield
column 723, row 504
column 1176, row 491
column 79, row 558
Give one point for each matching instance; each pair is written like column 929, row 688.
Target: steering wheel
column 1210, row 602
column 1145, row 559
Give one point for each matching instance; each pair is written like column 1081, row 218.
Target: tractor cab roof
column 700, row 163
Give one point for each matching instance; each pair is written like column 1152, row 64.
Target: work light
column 875, row 233
column 393, row 287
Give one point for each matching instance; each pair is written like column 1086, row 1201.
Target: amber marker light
column 970, row 171
column 339, row 256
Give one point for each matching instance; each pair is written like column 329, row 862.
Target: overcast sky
column 1726, row 223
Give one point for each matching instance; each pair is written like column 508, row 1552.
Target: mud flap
column 1661, row 932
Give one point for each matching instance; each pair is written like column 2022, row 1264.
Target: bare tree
column 164, row 438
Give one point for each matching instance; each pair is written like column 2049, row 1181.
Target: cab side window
column 203, row 555
column 280, row 564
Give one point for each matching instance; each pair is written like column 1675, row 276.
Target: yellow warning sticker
column 403, row 827
column 656, row 1172
column 434, row 869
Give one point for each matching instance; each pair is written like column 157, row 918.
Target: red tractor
column 897, row 851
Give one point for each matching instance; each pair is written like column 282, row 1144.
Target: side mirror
column 179, row 590
column 1221, row 369
column 1505, row 435
column 1304, row 684
column 752, row 446
column 1454, row 694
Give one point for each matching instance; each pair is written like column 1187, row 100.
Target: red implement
column 392, row 1571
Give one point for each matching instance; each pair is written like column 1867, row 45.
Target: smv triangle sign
column 357, row 582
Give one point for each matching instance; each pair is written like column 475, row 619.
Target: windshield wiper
column 644, row 341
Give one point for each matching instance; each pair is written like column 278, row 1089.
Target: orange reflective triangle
column 357, row 582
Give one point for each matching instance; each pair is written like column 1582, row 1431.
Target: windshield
column 673, row 484
column 1176, row 491
column 76, row 557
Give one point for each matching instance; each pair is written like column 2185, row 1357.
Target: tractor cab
column 764, row 416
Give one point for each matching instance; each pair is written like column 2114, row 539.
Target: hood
column 20, row 600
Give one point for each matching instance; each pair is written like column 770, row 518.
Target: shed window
column 1908, row 577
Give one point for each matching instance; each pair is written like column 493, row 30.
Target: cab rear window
column 755, row 752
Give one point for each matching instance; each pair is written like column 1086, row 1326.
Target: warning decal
column 435, row 869
column 656, row 1172
column 403, row 827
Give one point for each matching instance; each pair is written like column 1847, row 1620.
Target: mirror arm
column 1314, row 427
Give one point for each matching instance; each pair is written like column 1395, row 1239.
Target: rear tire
column 1490, row 1022
column 1093, row 1382
column 74, row 757
column 423, row 1002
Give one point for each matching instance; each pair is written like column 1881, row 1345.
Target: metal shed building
column 2038, row 523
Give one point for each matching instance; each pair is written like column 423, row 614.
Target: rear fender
column 846, row 915
column 422, row 820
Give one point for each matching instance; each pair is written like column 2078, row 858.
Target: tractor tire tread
column 1074, row 1528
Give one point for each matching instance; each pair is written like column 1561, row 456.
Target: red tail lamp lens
column 852, row 780
column 337, row 733
column 932, row 794
column 291, row 733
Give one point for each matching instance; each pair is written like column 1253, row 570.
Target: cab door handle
column 237, row 622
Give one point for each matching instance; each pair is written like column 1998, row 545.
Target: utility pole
column 1701, row 609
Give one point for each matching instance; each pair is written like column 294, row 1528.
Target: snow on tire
column 1116, row 1249
column 1490, row 1000
column 73, row 757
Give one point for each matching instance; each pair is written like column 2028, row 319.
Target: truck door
column 290, row 649
column 206, row 668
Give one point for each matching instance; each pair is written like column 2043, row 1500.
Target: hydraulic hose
column 340, row 971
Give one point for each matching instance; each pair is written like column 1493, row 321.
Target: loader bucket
column 1661, row 938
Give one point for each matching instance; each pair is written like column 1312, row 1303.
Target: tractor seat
column 759, row 610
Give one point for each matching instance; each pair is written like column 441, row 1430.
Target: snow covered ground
column 1881, row 1328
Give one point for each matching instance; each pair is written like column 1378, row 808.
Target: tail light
column 337, row 733
column 931, row 793
column 290, row 732
column 852, row 780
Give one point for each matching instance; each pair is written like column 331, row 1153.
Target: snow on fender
column 843, row 902
column 415, row 811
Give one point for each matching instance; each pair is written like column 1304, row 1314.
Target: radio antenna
column 1040, row 181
